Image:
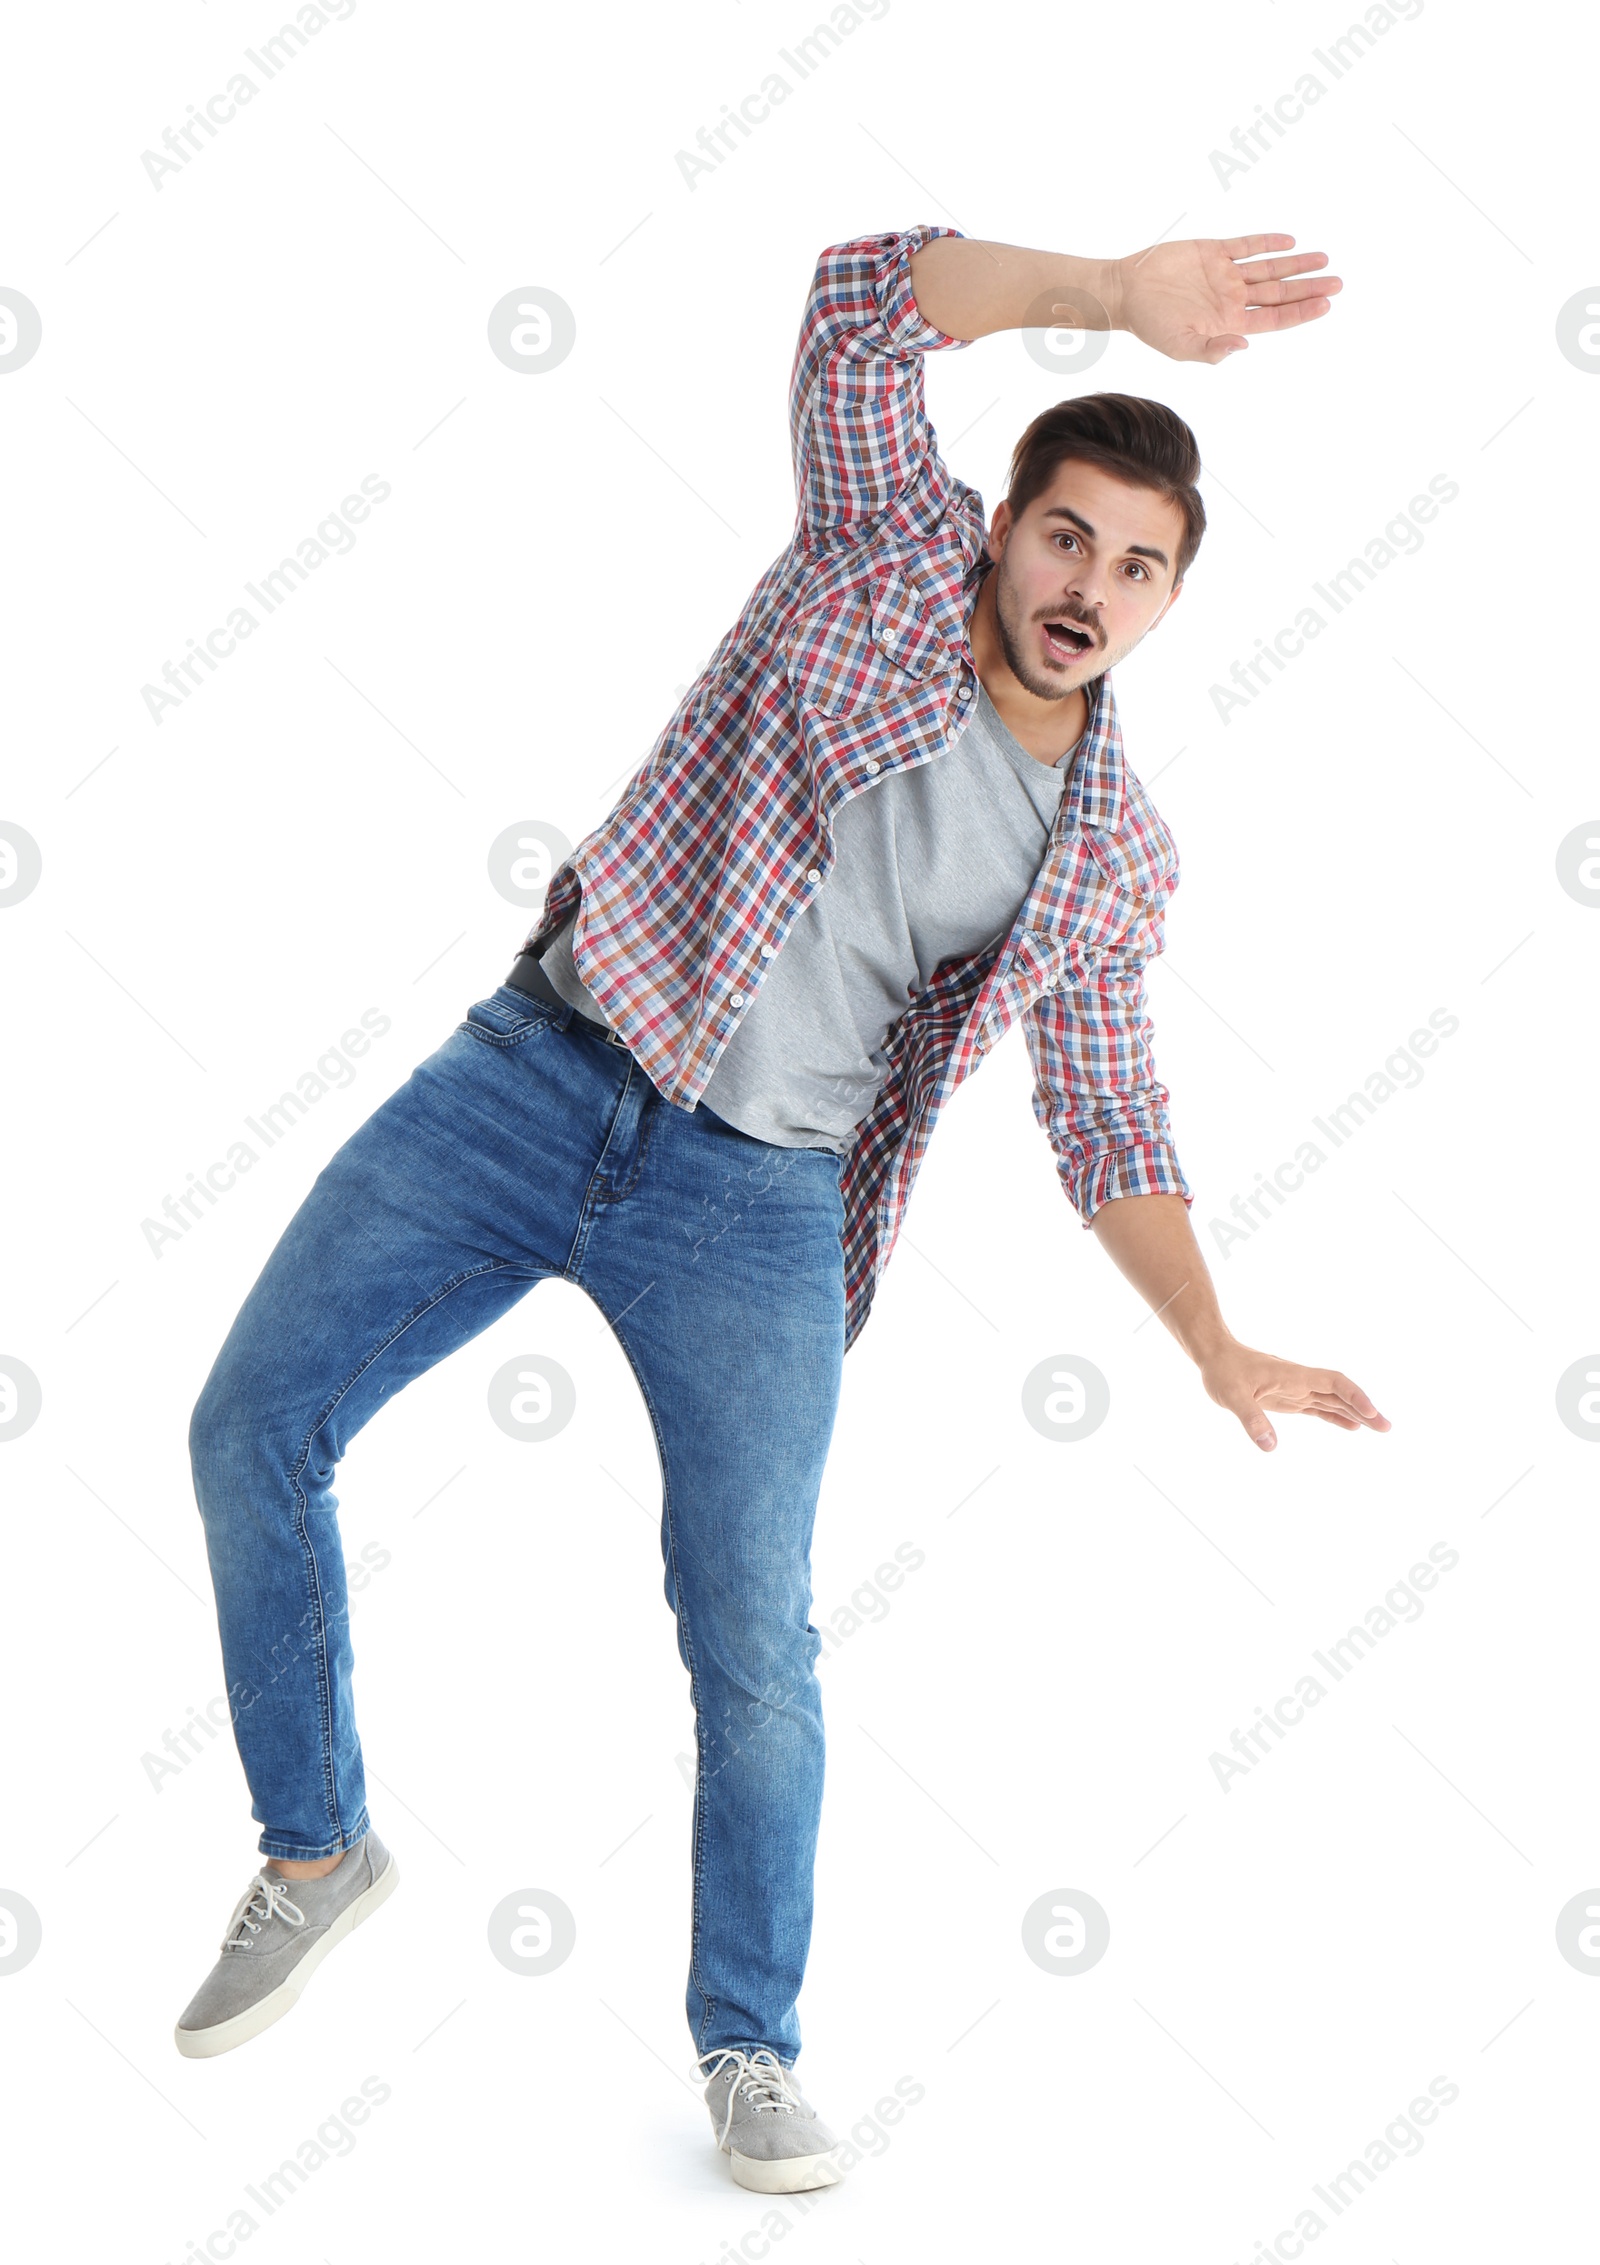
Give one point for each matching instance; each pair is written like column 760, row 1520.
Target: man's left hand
column 1251, row 1383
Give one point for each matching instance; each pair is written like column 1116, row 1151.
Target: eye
column 1134, row 567
column 1063, row 537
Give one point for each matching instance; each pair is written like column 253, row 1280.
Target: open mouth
column 1067, row 641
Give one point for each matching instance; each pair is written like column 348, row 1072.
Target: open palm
column 1203, row 299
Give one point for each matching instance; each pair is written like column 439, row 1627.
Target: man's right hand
column 1196, row 301
column 1203, row 299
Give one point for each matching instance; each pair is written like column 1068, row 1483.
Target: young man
column 890, row 819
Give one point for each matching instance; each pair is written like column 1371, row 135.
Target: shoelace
column 760, row 2076
column 265, row 1899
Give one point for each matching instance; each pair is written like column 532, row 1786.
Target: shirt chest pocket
column 874, row 644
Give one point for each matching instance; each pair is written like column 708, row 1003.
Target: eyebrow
column 1135, row 550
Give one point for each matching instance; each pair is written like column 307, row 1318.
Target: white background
column 1291, row 1960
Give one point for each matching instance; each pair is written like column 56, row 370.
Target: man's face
column 1081, row 576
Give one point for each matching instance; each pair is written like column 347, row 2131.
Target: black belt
column 527, row 975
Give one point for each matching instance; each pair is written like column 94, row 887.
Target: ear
column 999, row 529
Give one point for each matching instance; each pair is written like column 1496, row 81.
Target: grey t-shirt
column 930, row 862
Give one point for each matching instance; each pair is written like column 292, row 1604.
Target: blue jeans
column 530, row 1146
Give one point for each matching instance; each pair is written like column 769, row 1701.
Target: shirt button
column 812, row 873
column 767, row 951
column 874, row 767
column 965, row 693
column 736, row 998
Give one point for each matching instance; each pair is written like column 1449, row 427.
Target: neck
column 1046, row 728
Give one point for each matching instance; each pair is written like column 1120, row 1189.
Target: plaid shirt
column 851, row 661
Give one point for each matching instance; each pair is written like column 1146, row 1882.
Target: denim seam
column 647, row 1120
column 592, row 1200
column 697, row 1868
column 324, row 1693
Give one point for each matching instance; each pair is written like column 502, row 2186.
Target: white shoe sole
column 203, row 2044
column 792, row 2174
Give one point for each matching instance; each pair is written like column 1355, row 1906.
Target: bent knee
column 765, row 1668
column 233, row 1430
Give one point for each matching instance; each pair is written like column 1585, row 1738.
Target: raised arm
column 1195, row 301
column 861, row 438
column 877, row 304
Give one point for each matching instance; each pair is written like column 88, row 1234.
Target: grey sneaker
column 765, row 2125
column 280, row 1933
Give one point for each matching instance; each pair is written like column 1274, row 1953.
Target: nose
column 1087, row 587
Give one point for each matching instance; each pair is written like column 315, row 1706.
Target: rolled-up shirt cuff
column 904, row 324
column 1151, row 1168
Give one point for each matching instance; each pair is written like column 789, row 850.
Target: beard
column 1043, row 683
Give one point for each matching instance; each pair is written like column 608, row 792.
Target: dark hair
column 1143, row 442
